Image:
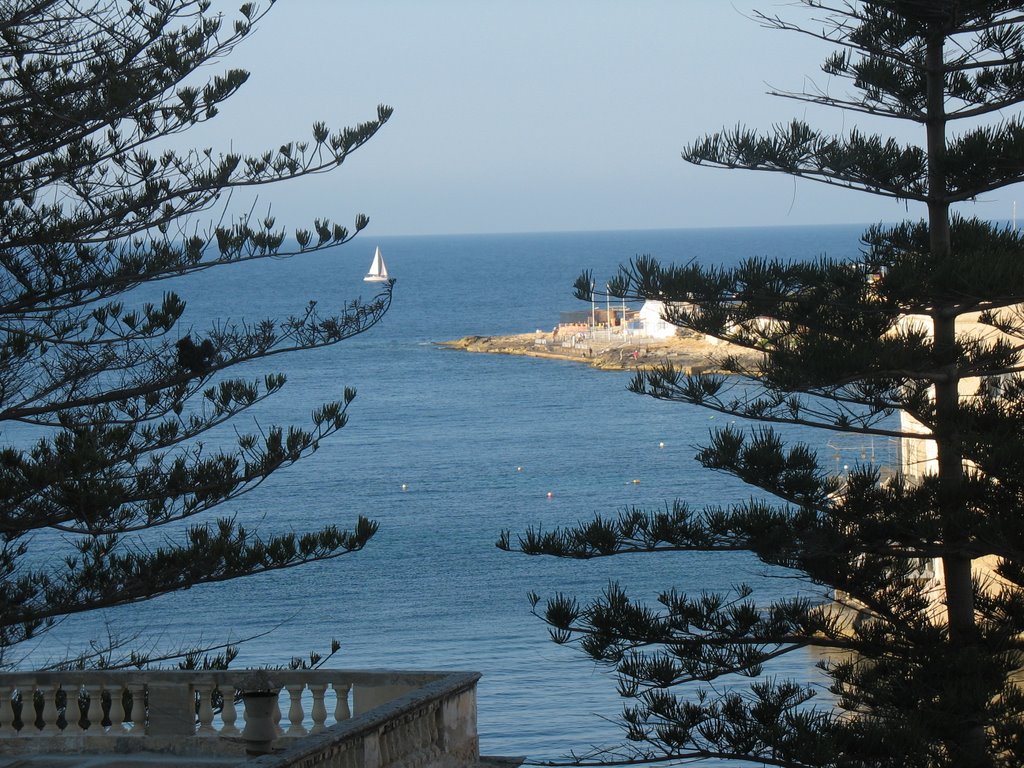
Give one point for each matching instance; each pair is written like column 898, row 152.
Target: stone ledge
column 691, row 354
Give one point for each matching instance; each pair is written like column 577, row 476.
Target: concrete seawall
column 689, row 353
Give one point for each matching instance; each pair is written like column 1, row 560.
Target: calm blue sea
column 433, row 452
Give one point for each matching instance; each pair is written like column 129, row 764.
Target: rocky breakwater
column 692, row 354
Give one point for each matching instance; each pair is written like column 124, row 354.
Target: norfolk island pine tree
column 116, row 395
column 920, row 340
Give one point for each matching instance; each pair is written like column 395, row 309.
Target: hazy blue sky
column 538, row 115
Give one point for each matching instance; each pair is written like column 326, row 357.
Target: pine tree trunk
column 967, row 740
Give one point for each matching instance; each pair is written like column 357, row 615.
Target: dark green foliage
column 110, row 395
column 881, row 346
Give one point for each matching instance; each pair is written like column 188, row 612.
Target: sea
column 445, row 449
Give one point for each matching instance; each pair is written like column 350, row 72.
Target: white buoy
column 661, row 444
column 550, row 495
column 405, row 487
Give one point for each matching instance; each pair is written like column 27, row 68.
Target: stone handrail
column 389, row 718
column 431, row 727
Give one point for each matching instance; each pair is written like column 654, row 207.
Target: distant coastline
column 692, row 354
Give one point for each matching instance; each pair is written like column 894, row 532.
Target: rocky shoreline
column 692, row 354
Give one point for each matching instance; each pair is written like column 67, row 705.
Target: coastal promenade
column 693, row 354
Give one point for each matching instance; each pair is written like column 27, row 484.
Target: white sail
column 378, row 270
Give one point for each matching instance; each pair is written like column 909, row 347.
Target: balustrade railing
column 216, row 713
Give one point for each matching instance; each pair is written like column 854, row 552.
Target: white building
column 652, row 321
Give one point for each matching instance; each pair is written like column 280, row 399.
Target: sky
column 539, row 115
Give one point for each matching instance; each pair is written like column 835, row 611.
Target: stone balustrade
column 327, row 717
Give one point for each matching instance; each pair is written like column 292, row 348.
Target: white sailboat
column 378, row 270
